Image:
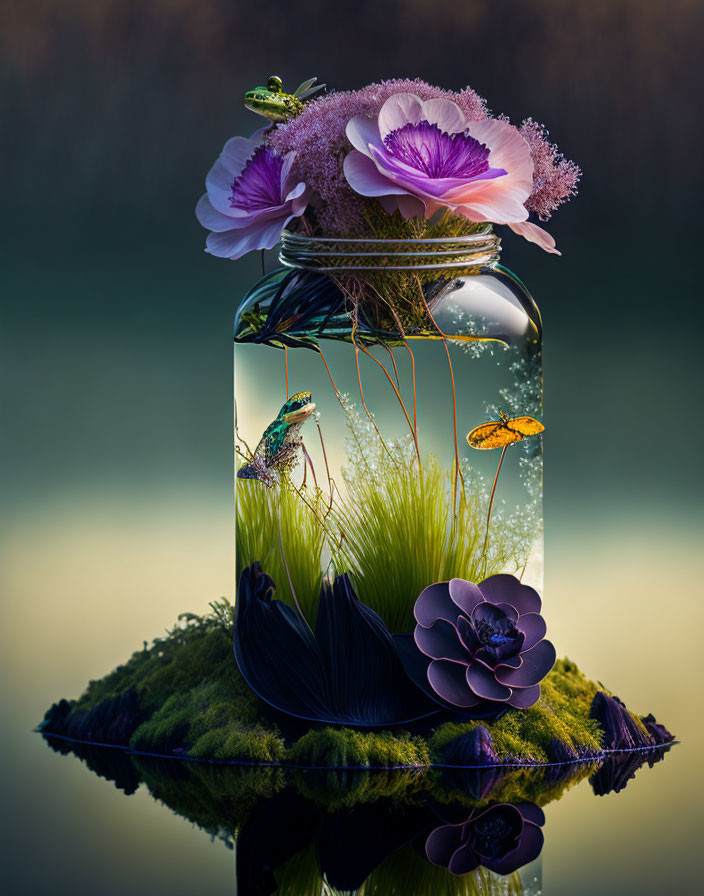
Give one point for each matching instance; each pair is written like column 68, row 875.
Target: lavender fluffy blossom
column 554, row 177
column 318, row 137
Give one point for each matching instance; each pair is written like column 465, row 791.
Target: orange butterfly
column 498, row 434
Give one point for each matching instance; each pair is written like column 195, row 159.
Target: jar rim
column 473, row 250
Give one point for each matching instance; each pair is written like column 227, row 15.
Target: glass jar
column 361, row 368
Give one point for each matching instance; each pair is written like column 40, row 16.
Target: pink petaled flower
column 251, row 196
column 424, row 156
column 318, row 137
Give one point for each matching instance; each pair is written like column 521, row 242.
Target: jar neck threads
column 337, row 255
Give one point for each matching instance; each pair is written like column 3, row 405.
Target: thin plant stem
column 364, row 404
column 310, row 464
column 353, row 317
column 325, row 458
column 320, row 520
column 525, row 565
column 332, row 381
column 393, row 363
column 288, row 574
column 286, row 368
column 241, row 454
column 413, row 376
column 491, row 501
column 398, row 395
column 249, row 450
column 354, row 299
column 414, row 428
column 339, row 398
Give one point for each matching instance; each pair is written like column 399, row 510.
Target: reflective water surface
column 142, row 825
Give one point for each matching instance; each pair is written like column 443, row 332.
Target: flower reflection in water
column 503, row 837
column 449, row 832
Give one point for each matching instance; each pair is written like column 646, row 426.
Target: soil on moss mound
column 184, row 697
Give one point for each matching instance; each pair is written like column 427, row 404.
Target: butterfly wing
column 492, row 435
column 526, row 426
column 505, row 432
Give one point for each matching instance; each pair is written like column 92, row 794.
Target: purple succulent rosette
column 502, row 837
column 485, row 642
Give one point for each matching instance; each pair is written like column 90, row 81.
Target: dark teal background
column 117, row 348
column 117, row 326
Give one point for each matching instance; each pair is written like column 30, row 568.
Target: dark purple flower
column 485, row 642
column 252, row 195
column 502, row 837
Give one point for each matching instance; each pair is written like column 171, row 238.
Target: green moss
column 529, row 784
column 202, row 722
column 405, row 292
column 221, row 798
column 200, row 649
column 343, row 748
column 239, row 744
column 211, row 796
column 562, row 714
column 334, row 789
column 193, row 701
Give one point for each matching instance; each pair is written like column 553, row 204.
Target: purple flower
column 485, row 642
column 502, row 838
column 318, row 137
column 251, row 196
column 424, row 156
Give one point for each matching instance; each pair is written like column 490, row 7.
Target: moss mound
column 184, row 697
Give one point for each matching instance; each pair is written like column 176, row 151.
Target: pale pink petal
column 238, row 151
column 409, row 206
column 211, row 218
column 400, row 109
column 286, row 165
column 218, row 183
column 482, row 188
column 507, row 150
column 236, row 243
column 445, row 114
column 366, row 179
column 298, row 197
column 537, row 235
column 361, row 131
column 493, row 205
